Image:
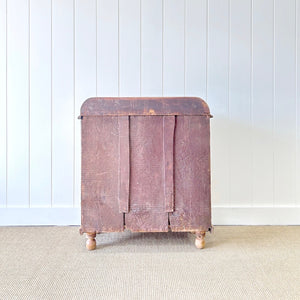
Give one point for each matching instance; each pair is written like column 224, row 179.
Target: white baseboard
column 256, row 215
column 220, row 216
column 39, row 216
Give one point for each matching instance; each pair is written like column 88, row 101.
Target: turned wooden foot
column 199, row 241
column 91, row 242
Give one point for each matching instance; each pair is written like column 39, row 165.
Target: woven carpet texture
column 239, row 262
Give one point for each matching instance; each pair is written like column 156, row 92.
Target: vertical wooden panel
column 173, row 48
column 123, row 163
column 195, row 48
column 85, row 71
column 147, row 199
column 285, row 104
column 192, row 174
column 262, row 102
column 2, row 103
column 107, row 48
column 62, row 102
column 100, row 159
column 240, row 159
column 151, row 47
column 217, row 97
column 168, row 159
column 129, row 47
column 18, row 103
column 40, row 103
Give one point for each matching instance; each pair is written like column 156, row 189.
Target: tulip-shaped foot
column 200, row 240
column 91, row 242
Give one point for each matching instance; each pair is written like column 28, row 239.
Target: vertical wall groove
column 51, row 100
column 6, row 135
column 296, row 99
column 274, row 109
column 228, row 95
column 74, row 97
column 251, row 101
column 29, row 109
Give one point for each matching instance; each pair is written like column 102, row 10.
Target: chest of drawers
column 145, row 166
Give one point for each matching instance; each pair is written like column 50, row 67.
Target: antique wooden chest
column 145, row 166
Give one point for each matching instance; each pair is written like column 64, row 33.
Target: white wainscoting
column 241, row 56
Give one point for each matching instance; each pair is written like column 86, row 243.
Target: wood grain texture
column 192, row 175
column 124, row 164
column 132, row 166
column 168, row 153
column 147, row 201
column 114, row 106
column 99, row 189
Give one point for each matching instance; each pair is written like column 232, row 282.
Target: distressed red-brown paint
column 145, row 164
column 168, row 161
column 124, row 164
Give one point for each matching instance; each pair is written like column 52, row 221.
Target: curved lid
column 144, row 106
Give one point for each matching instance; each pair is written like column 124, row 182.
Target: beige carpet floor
column 239, row 262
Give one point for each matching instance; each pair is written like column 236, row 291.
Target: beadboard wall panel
column 129, row 48
column 63, row 103
column 241, row 56
column 18, row 104
column 40, row 103
column 218, row 97
column 262, row 109
column 285, row 107
column 240, row 155
column 151, row 47
column 196, row 48
column 173, row 47
column 107, row 48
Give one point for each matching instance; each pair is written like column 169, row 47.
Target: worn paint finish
column 192, row 174
column 147, row 199
column 124, row 164
column 147, row 170
column 115, row 106
column 168, row 161
column 99, row 185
